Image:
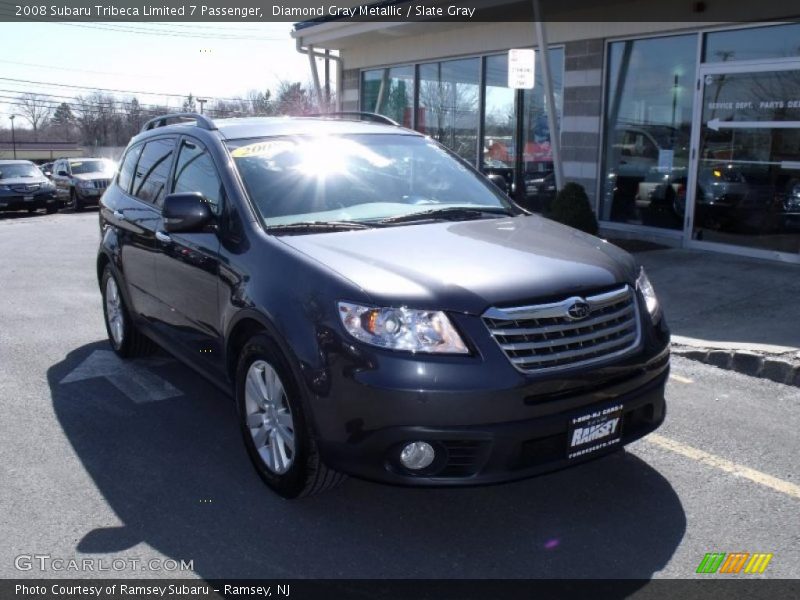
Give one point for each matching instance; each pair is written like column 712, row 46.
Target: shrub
column 571, row 207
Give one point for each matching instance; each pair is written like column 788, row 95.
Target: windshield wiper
column 316, row 226
column 452, row 213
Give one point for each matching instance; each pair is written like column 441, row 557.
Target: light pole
column 13, row 136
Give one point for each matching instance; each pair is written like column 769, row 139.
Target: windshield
column 91, row 166
column 13, row 171
column 359, row 178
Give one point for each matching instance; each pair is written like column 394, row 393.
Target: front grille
column 545, row 337
column 23, row 188
column 101, row 184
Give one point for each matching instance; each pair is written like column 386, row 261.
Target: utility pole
column 555, row 134
column 201, row 102
column 13, row 136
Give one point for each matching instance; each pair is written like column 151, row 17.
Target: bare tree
column 450, row 114
column 36, row 109
column 293, row 99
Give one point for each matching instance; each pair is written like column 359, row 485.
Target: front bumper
column 492, row 453
column 89, row 196
column 486, row 423
column 27, row 201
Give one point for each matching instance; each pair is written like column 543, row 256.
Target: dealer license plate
column 594, row 431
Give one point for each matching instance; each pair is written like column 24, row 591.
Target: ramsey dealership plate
column 594, row 430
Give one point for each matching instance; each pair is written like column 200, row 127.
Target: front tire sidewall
column 75, row 201
column 123, row 348
column 291, row 483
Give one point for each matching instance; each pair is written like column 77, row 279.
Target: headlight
column 643, row 285
column 5, row 188
column 402, row 329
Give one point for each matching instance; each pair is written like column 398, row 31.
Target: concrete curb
column 783, row 368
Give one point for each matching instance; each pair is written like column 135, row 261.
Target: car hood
column 93, row 176
column 24, row 181
column 469, row 266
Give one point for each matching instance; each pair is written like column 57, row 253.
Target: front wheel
column 273, row 424
column 75, row 202
column 125, row 338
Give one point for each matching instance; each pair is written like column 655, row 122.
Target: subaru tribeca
column 375, row 306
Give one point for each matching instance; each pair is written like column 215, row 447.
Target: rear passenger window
column 127, row 168
column 152, row 171
column 195, row 172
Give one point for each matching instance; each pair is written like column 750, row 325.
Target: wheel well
column 242, row 331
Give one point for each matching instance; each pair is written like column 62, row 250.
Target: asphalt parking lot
column 144, row 460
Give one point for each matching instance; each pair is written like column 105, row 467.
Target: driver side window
column 195, row 172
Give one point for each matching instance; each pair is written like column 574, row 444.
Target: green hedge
column 571, row 207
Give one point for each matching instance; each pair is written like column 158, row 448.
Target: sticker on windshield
column 261, row 149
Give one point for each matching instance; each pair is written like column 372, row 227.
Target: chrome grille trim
column 25, row 187
column 555, row 328
column 543, row 337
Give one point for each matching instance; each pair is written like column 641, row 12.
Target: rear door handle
column 163, row 237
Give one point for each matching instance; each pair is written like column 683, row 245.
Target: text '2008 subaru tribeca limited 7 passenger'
column 375, row 305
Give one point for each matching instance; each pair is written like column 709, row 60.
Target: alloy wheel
column 114, row 315
column 269, row 418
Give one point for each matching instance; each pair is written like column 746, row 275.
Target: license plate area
column 594, row 430
column 27, row 198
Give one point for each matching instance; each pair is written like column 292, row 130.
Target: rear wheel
column 273, row 424
column 125, row 338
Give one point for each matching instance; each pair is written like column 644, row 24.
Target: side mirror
column 499, row 181
column 186, row 212
column 63, row 173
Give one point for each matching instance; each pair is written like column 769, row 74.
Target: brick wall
column 350, row 89
column 580, row 123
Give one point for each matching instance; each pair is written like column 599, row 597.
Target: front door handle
column 163, row 237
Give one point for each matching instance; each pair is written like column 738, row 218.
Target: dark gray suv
column 375, row 305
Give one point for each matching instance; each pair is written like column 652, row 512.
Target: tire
column 51, row 208
column 74, row 201
column 123, row 335
column 274, row 428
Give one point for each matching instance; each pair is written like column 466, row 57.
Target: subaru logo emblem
column 578, row 310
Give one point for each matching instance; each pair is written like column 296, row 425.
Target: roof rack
column 360, row 116
column 162, row 121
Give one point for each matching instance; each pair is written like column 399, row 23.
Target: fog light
column 417, row 455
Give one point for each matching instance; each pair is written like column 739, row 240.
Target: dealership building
column 684, row 131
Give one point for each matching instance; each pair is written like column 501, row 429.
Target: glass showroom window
column 778, row 41
column 389, row 92
column 539, row 178
column 500, row 125
column 449, row 105
column 648, row 122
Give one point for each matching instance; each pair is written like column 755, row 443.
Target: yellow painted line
column 779, row 485
column 680, row 379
